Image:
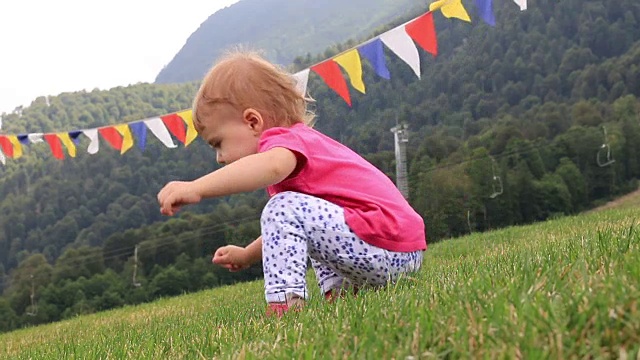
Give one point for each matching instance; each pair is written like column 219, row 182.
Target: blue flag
column 139, row 130
column 374, row 52
column 485, row 10
column 75, row 136
column 24, row 139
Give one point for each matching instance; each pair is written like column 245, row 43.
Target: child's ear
column 254, row 120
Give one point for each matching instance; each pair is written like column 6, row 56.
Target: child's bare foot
column 333, row 294
column 278, row 309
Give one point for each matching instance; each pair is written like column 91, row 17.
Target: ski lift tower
column 401, row 136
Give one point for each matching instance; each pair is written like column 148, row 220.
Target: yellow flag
column 451, row 8
column 68, row 143
column 192, row 134
column 127, row 138
column 351, row 63
column 17, row 147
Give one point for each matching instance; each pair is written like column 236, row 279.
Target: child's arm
column 253, row 251
column 250, row 173
column 236, row 258
column 247, row 174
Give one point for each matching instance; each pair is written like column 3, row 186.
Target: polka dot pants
column 297, row 226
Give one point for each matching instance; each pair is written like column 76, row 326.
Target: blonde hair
column 244, row 79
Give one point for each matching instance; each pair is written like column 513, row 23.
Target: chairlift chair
column 604, row 148
column 135, row 267
column 496, row 184
column 34, row 307
column 497, row 187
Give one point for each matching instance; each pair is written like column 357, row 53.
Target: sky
column 52, row 46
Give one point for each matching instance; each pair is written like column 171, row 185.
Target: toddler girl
column 326, row 202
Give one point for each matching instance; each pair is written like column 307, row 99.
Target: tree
column 586, row 114
column 27, row 280
column 169, row 282
column 575, row 183
column 554, row 196
column 84, row 261
column 8, row 318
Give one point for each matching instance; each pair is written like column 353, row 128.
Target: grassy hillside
column 554, row 289
column 630, row 200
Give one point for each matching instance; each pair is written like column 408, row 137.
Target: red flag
column 423, row 31
column 6, row 145
column 112, row 136
column 175, row 124
column 55, row 145
column 329, row 71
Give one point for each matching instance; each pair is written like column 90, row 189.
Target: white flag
column 94, row 145
column 398, row 41
column 35, row 138
column 158, row 129
column 302, row 79
column 522, row 4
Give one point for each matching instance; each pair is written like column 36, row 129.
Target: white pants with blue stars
column 296, row 226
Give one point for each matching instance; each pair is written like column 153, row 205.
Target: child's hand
column 176, row 194
column 231, row 257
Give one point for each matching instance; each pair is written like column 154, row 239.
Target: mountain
column 284, row 29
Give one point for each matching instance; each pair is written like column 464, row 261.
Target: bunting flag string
column 403, row 41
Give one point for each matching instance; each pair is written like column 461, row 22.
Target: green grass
column 567, row 288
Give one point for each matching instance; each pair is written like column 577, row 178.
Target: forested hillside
column 516, row 111
column 284, row 29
